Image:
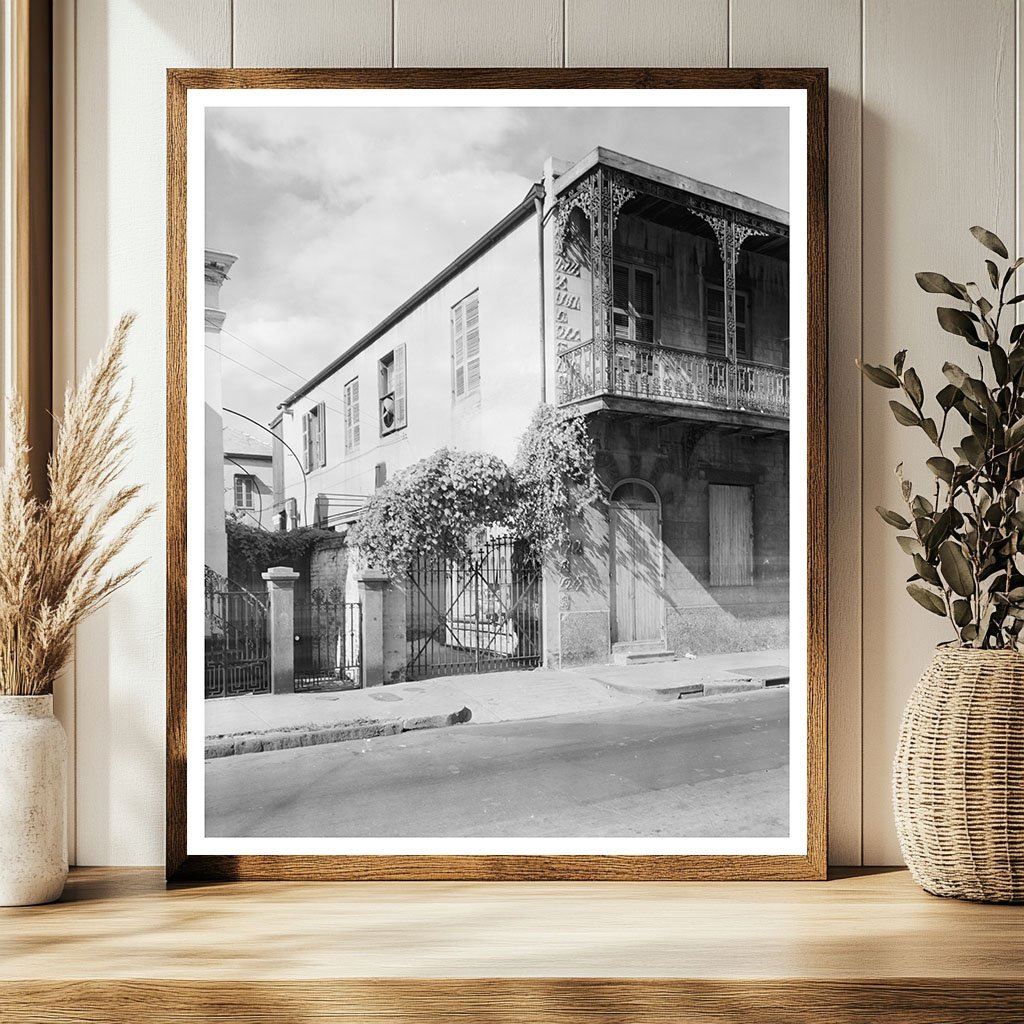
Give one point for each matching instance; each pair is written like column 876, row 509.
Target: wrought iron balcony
column 638, row 370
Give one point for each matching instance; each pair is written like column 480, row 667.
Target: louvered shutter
column 473, row 343
column 306, row 462
column 715, row 299
column 399, row 387
column 321, row 431
column 458, row 351
column 741, row 324
column 352, row 416
column 621, row 300
column 643, row 305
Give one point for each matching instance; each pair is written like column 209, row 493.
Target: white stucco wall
column 506, row 278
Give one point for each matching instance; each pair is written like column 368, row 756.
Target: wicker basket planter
column 958, row 776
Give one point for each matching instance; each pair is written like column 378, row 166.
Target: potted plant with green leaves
column 958, row 781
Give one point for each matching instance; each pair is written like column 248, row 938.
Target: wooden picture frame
column 810, row 864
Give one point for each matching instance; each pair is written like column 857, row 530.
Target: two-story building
column 656, row 305
column 248, row 481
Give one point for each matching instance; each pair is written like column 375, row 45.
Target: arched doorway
column 636, row 563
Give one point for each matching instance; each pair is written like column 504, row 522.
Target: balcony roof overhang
column 738, row 419
column 670, row 179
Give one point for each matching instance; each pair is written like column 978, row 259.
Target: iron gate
column 328, row 633
column 237, row 644
column 481, row 614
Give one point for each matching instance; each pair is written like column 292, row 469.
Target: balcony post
column 601, row 277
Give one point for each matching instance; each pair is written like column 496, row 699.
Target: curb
column 312, row 736
column 710, row 688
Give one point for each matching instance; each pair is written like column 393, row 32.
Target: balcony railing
column 640, row 370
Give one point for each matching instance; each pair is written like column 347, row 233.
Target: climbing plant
column 445, row 504
column 554, row 472
column 251, row 550
column 438, row 507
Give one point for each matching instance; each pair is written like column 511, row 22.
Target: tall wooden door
column 637, row 609
column 731, row 535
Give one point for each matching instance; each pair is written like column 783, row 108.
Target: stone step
column 642, row 656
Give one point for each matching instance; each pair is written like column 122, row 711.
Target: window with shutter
column 321, row 434
column 351, row 396
column 466, row 346
column 393, row 399
column 714, row 309
column 634, row 298
column 400, row 387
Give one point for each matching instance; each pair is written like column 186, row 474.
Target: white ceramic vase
column 33, row 787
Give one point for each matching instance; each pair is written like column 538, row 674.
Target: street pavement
column 499, row 697
column 716, row 766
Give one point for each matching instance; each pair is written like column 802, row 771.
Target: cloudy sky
column 338, row 214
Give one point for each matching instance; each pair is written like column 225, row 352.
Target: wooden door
column 637, row 610
column 731, row 535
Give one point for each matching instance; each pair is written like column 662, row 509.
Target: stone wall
column 329, row 565
column 680, row 461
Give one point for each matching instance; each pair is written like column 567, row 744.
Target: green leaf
column 973, row 451
column 939, row 284
column 911, row 545
column 899, row 359
column 961, row 612
column 928, row 426
column 1000, row 364
column 912, row 385
column 926, row 598
column 956, row 569
column 906, row 417
column 941, row 467
column 958, row 322
column 880, row 375
column 984, row 306
column 993, row 273
column 892, row 518
column 940, row 529
column 947, row 397
column 990, row 241
column 922, row 506
column 926, row 571
column 1014, row 300
column 969, row 633
column 1015, row 434
column 954, row 375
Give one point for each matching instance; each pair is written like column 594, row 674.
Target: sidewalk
column 707, row 674
column 241, row 725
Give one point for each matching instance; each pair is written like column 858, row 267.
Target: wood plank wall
column 925, row 138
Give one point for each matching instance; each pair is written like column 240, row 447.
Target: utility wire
column 285, row 444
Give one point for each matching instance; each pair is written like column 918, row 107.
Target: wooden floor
column 869, row 946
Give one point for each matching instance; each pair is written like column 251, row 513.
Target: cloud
column 338, row 214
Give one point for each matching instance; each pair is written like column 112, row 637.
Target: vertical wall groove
column 912, row 57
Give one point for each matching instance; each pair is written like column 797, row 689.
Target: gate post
column 372, row 583
column 281, row 627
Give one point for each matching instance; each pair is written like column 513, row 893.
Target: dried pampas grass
column 56, row 556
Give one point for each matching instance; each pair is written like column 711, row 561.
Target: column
column 281, row 627
column 372, row 584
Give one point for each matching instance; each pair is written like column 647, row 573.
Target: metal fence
column 237, row 641
column 328, row 634
column 480, row 614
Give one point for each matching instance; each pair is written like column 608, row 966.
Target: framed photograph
column 496, row 474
